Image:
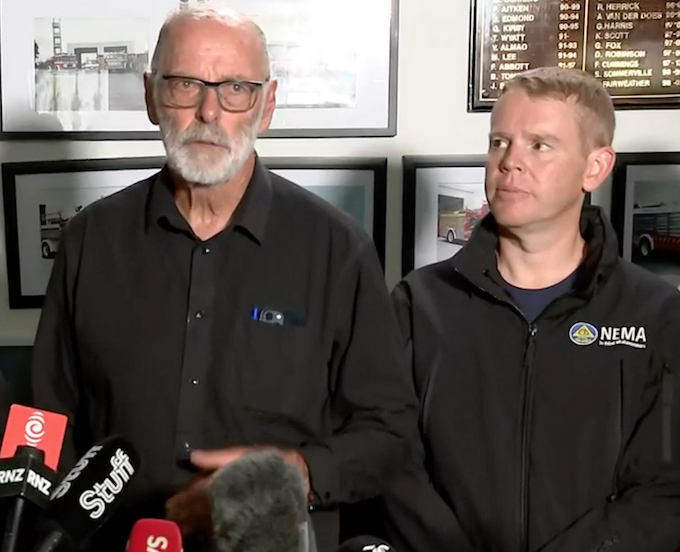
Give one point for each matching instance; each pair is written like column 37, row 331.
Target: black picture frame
column 49, row 130
column 21, row 204
column 415, row 215
column 645, row 211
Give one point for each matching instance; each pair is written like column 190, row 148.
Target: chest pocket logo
column 583, row 333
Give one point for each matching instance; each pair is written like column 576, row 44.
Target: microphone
column 29, row 455
column 90, row 493
column 41, row 429
column 154, row 535
column 259, row 504
column 365, row 544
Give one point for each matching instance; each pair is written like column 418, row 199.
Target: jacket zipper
column 527, row 392
column 527, row 395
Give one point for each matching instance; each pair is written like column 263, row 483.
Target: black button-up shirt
column 278, row 330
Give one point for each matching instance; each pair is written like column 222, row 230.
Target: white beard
column 208, row 165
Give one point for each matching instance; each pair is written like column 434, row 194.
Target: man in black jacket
column 538, row 355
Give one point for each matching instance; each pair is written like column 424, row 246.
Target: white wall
column 433, row 62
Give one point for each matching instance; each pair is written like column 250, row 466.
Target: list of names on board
column 633, row 48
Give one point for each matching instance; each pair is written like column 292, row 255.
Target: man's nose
column 209, row 109
column 512, row 159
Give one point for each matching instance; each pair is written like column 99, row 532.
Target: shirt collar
column 250, row 216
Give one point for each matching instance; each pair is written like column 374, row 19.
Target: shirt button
column 199, row 314
column 187, row 446
column 194, row 382
column 206, row 250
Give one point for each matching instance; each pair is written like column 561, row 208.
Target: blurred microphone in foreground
column 89, row 494
column 259, row 504
column 365, row 544
column 154, row 535
column 29, row 456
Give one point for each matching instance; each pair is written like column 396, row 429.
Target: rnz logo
column 155, row 544
column 104, row 493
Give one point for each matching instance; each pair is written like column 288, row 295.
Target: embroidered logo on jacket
column 583, row 333
column 633, row 336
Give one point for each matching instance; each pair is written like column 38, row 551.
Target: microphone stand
column 11, row 538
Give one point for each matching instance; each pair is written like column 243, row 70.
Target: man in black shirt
column 216, row 306
column 538, row 355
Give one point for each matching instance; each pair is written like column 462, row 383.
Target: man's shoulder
column 642, row 286
column 438, row 277
column 121, row 204
column 131, row 196
column 641, row 300
column 309, row 212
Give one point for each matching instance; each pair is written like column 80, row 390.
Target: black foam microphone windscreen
column 259, row 504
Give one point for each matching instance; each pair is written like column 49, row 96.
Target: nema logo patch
column 583, row 333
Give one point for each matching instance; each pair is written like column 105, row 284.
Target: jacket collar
column 476, row 261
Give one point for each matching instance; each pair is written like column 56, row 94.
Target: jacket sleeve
column 54, row 362
column 644, row 512
column 371, row 404
column 414, row 516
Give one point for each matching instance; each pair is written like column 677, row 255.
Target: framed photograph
column 357, row 186
column 443, row 199
column 40, row 198
column 645, row 211
column 74, row 68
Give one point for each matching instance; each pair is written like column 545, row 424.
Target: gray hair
column 213, row 12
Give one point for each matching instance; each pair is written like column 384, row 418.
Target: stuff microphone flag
column 89, row 494
column 259, row 504
column 154, row 535
column 365, row 544
column 32, row 438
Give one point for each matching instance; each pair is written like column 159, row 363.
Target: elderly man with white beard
column 215, row 308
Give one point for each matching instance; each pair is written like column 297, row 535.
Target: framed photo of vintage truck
column 645, row 211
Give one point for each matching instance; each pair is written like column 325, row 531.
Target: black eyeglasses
column 233, row 95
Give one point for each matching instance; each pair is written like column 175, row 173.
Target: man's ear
column 269, row 106
column 600, row 164
column 151, row 110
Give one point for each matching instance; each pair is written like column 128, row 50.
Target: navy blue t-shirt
column 532, row 302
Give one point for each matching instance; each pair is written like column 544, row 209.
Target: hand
column 211, row 460
column 190, row 507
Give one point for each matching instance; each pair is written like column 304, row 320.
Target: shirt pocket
column 277, row 368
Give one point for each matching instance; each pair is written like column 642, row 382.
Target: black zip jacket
column 544, row 436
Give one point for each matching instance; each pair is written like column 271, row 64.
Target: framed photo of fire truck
column 39, row 199
column 75, row 68
column 645, row 211
column 443, row 199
